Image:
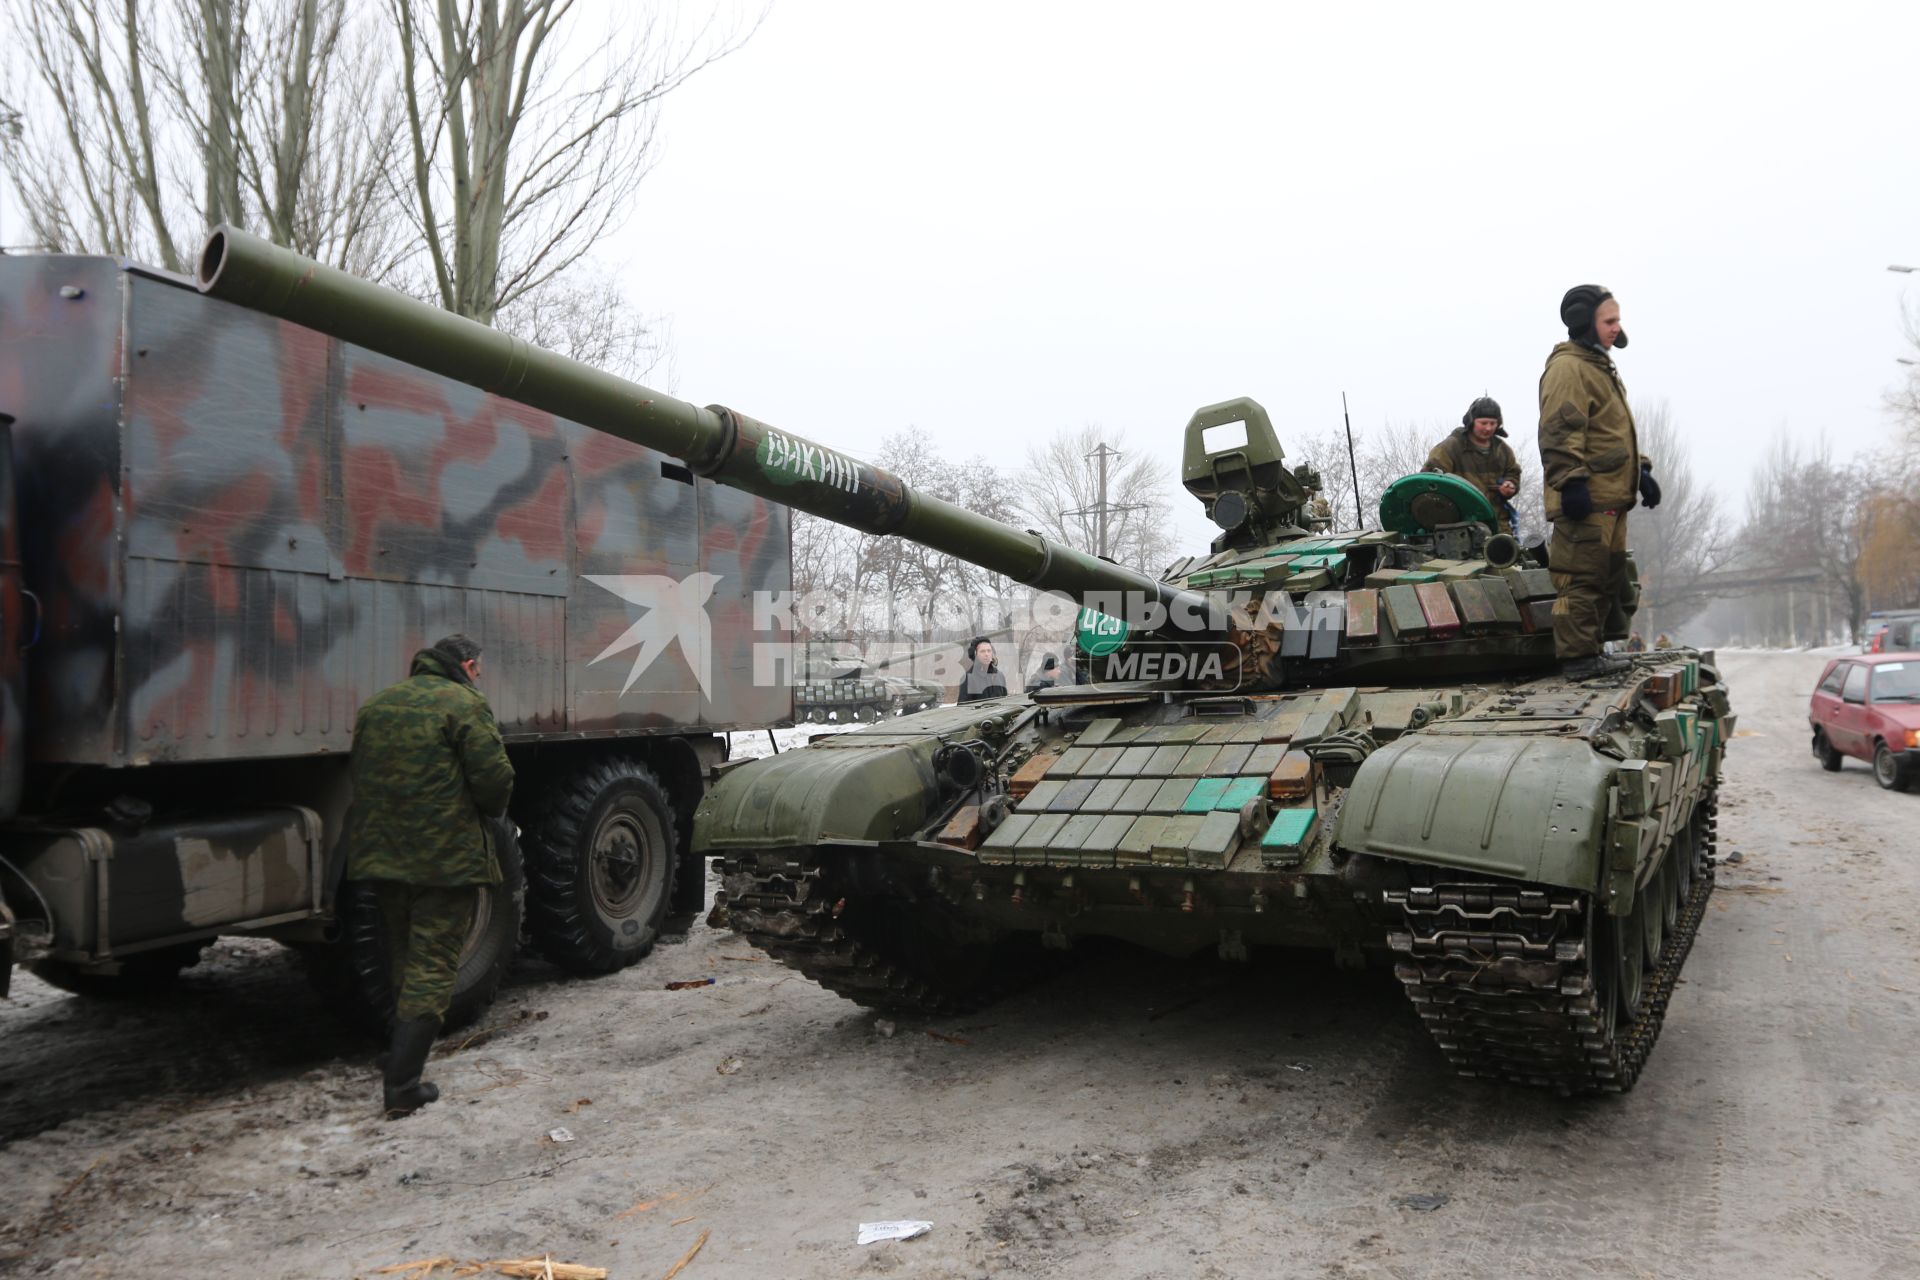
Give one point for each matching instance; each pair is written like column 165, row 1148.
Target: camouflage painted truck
column 221, row 532
column 1354, row 741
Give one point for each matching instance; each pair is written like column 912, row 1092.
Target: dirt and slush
column 1132, row 1117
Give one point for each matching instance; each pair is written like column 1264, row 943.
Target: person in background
column 1048, row 676
column 983, row 678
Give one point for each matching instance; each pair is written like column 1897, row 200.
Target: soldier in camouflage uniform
column 1594, row 474
column 429, row 771
column 1478, row 453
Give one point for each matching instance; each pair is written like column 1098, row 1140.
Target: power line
column 1100, row 509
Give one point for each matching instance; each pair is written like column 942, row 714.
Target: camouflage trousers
column 426, row 927
column 1589, row 563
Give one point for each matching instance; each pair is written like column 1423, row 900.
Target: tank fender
column 820, row 795
column 1528, row 807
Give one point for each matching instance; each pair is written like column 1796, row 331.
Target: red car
column 1869, row 707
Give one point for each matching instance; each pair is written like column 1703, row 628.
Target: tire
column 142, row 975
column 1830, row 760
column 1889, row 770
column 603, row 854
column 356, row 972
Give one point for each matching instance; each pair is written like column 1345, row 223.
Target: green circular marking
column 1098, row 634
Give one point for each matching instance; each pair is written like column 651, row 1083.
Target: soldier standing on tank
column 1047, row 677
column 1594, row 474
column 429, row 774
column 983, row 678
column 1479, row 453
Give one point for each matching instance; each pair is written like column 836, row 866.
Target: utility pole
column 1101, row 508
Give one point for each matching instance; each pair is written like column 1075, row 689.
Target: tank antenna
column 1359, row 515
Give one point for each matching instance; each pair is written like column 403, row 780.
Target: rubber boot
column 406, row 1058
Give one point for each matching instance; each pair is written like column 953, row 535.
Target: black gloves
column 1575, row 502
column 1649, row 490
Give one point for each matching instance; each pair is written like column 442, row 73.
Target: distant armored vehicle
column 838, row 685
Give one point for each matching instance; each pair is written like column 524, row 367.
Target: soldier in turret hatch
column 1479, row 453
column 1590, row 457
column 429, row 773
column 983, row 678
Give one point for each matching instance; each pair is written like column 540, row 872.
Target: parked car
column 1869, row 707
column 1895, row 631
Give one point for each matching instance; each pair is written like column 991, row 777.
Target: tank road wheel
column 1653, row 910
column 1888, row 769
column 1684, row 857
column 1823, row 751
column 1628, row 953
column 1670, row 899
column 143, row 974
column 356, row 972
column 603, row 860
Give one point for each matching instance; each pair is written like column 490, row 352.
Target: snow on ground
column 751, row 744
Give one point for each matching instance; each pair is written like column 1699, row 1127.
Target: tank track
column 803, row 921
column 1502, row 976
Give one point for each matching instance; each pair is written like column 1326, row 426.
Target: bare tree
column 1383, row 454
column 1682, row 543
column 138, row 125
column 1061, row 479
column 1809, row 510
column 585, row 315
column 521, row 164
column 1903, row 403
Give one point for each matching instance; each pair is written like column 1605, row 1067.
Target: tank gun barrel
column 727, row 447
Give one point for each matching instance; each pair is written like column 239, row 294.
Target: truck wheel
column 143, row 974
column 1888, row 769
column 603, row 863
column 1824, row 752
column 357, row 972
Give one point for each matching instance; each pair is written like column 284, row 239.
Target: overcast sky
column 989, row 221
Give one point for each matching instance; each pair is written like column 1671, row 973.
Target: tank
column 837, row 684
column 1353, row 741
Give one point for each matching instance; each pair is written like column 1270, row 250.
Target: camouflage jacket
column 1586, row 429
column 1485, row 468
column 428, row 768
